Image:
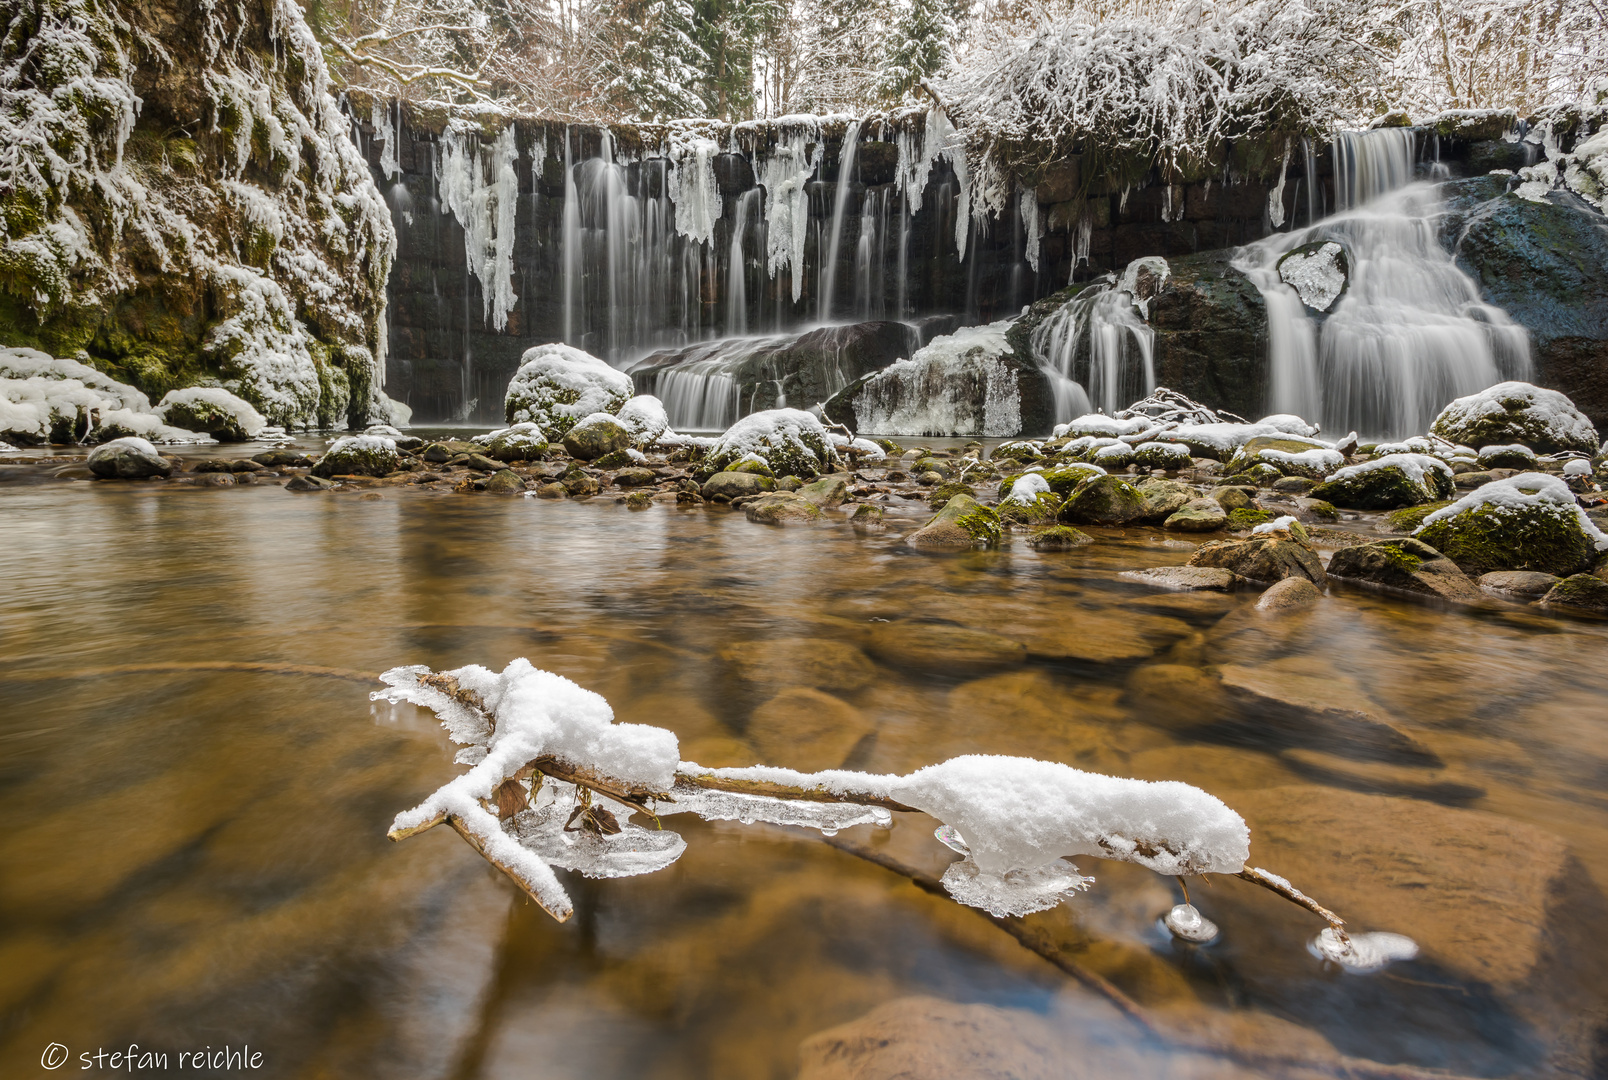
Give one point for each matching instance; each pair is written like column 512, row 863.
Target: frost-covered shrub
column 1389, row 482
column 359, row 455
column 1527, row 522
column 791, row 442
column 557, row 385
column 213, row 410
column 1517, row 412
column 522, row 442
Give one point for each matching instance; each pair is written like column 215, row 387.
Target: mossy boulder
column 213, row 410
column 734, row 485
column 595, row 436
column 1388, row 483
column 961, row 525
column 791, row 442
column 1063, row 479
column 1020, row 452
column 634, row 477
column 521, row 442
column 752, row 463
column 1247, row 518
column 1234, row 498
column 781, row 508
column 1042, row 510
column 505, row 482
column 1197, row 515
column 1269, row 556
column 1104, row 500
column 359, row 455
column 1517, row 412
column 827, row 491
column 1407, row 565
column 1483, row 537
column 127, row 459
column 557, row 386
column 1163, row 497
column 1059, row 538
column 1579, row 592
column 942, row 493
column 1162, row 456
column 1285, row 455
column 1409, row 518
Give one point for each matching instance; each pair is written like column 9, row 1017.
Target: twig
column 528, row 887
column 1272, row 882
column 717, row 780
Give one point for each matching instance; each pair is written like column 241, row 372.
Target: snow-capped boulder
column 644, row 417
column 789, row 441
column 127, row 459
column 213, row 410
column 1389, row 482
column 521, row 442
column 558, row 385
column 1291, row 455
column 50, row 399
column 1526, row 522
column 359, row 455
column 596, row 435
column 1517, row 412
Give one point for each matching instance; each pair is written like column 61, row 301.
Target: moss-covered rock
column 1043, row 509
column 634, row 477
column 1059, row 538
column 961, row 525
column 1517, row 412
column 1269, row 556
column 1285, row 455
column 1389, row 482
column 1163, row 497
column 1063, row 479
column 595, row 436
column 1104, row 500
column 1234, row 498
column 942, row 493
column 359, row 455
column 726, row 486
column 521, row 442
column 1162, row 456
column 213, row 410
column 1486, row 537
column 1197, row 515
column 1408, row 519
column 1406, row 565
column 1247, row 518
column 505, row 482
column 1579, row 592
column 791, row 442
column 781, row 508
column 827, row 491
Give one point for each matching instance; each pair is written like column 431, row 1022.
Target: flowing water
column 197, row 790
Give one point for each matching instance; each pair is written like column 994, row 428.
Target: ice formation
column 486, row 210
column 1188, row 924
column 937, row 391
column 785, row 175
column 1361, row 953
column 1316, row 276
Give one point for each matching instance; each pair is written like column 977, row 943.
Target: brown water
column 196, row 855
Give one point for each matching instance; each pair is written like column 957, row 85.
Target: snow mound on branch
column 1523, row 492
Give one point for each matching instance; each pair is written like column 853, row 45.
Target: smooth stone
column 1197, row 515
column 481, row 463
column 595, row 436
column 1233, row 498
column 780, row 508
column 1294, row 485
column 1104, row 500
column 1408, row 566
column 551, row 491
column 827, row 491
column 1579, row 592
column 1185, row 578
column 802, row 728
column 961, row 525
column 1314, row 705
column 1163, row 497
column 123, row 460
column 814, row 662
column 1176, row 697
column 1291, row 594
column 1382, row 777
column 1528, row 584
column 309, row 483
column 734, row 485
column 943, row 647
column 218, row 479
column 634, row 477
column 505, row 482
column 1271, row 556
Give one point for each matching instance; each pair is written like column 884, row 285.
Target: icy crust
column 829, row 818
column 50, row 399
column 790, row 442
column 938, row 390
column 1361, row 953
column 1317, row 276
column 1416, row 467
column 1544, row 420
column 1524, row 492
column 544, row 830
column 559, row 385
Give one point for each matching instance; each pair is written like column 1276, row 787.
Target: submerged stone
column 1185, row 578
column 943, row 647
column 961, row 525
column 1406, row 565
column 1059, row 538
column 1291, row 594
column 804, row 728
column 1270, row 556
column 1526, row 584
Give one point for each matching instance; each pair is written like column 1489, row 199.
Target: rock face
column 1387, row 483
column 961, row 525
column 596, row 435
column 127, row 459
column 557, row 386
column 1405, row 565
column 1210, row 324
column 1517, row 413
column 1270, row 556
column 1546, row 265
column 1526, row 522
column 359, row 455
column 251, row 249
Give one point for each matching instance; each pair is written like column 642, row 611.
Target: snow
column 41, row 394
column 1316, row 276
column 219, row 400
column 938, row 390
column 1276, row 525
column 764, row 433
column 550, row 373
column 362, row 444
column 518, row 436
column 871, row 450
column 1559, row 420
column 1488, row 452
column 1102, row 425
column 1525, row 491
column 1028, row 488
column 1224, row 438
column 644, row 417
column 1176, row 452
column 1415, row 466
column 1577, row 467
column 1321, row 458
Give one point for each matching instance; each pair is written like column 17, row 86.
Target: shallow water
column 198, row 789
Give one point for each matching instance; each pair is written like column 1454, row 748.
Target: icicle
column 784, row 176
column 1275, row 198
column 694, row 191
column 486, row 212
column 1032, row 224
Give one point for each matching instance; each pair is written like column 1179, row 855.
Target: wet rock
column 505, row 482
column 1234, row 498
column 1104, row 500
column 634, row 477
column 734, row 485
column 127, row 459
column 1197, row 515
column 942, row 493
column 961, row 525
column 1269, row 556
column 1177, row 697
column 477, row 462
column 310, row 483
column 1473, row 889
column 1287, row 455
column 821, row 663
column 827, row 491
column 596, row 435
column 521, row 442
column 1524, row 584
column 1059, row 538
column 217, row 479
column 1388, row 482
column 802, row 728
column 1297, row 702
column 942, row 647
column 1419, row 782
column 1291, row 594
column 1293, row 485
column 1185, row 578
column 1543, row 534
column 1163, row 497
column 1405, row 565
column 1408, row 519
column 866, row 516
column 1162, row 456
column 579, row 485
column 1579, row 592
column 551, row 491
column 781, row 508
column 1517, row 412
column 435, row 454
column 359, row 455
column 279, row 459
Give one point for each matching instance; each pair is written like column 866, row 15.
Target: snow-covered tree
column 656, row 64
column 920, row 46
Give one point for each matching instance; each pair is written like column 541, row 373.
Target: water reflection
column 197, row 856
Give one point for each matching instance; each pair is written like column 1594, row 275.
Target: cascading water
column 1096, row 351
column 737, row 265
column 840, row 202
column 1409, row 332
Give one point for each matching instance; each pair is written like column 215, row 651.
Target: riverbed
column 198, row 788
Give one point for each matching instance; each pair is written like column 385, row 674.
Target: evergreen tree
column 920, row 45
column 843, row 43
column 729, row 33
column 655, row 67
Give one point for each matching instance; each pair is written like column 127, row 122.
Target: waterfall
column 571, row 248
column 737, row 267
column 699, row 385
column 1096, row 351
column 1408, row 334
column 851, row 143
